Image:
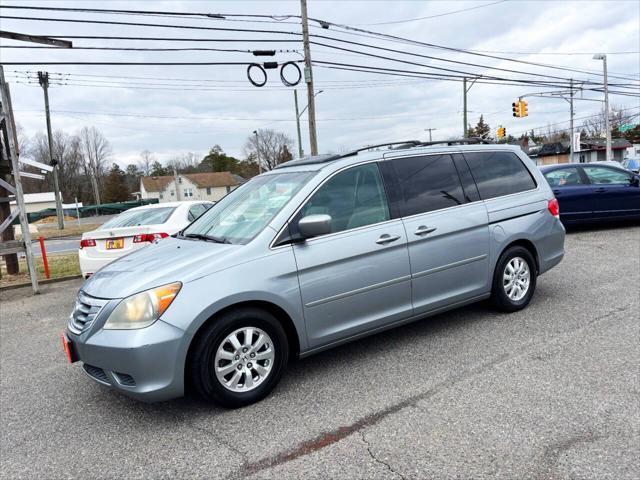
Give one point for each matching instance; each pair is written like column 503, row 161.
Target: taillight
column 87, row 242
column 149, row 237
column 554, row 207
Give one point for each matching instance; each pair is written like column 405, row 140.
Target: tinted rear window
column 133, row 218
column 499, row 173
column 427, row 183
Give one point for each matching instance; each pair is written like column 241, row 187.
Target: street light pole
column 255, row 132
column 298, row 115
column 300, row 151
column 609, row 156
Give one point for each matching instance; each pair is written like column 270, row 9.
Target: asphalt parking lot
column 551, row 392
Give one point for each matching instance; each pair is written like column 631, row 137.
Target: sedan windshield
column 244, row 213
column 134, row 218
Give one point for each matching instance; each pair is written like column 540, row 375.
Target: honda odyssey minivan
column 315, row 253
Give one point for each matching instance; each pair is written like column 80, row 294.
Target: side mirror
column 635, row 181
column 314, row 225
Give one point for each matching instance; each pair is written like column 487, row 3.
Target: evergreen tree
column 218, row 161
column 115, row 186
column 157, row 170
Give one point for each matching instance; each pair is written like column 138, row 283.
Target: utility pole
column 606, row 104
column 308, row 78
column 571, row 121
column 430, row 130
column 43, row 78
column 295, row 98
column 464, row 107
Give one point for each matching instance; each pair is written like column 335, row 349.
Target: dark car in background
column 594, row 192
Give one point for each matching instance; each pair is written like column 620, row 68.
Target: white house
column 35, row 202
column 189, row 186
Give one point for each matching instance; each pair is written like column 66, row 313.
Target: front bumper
column 146, row 364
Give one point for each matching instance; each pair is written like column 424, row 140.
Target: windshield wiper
column 207, row 238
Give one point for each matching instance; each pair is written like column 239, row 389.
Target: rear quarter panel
column 525, row 216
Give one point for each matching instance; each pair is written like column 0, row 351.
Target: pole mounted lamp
column 607, row 126
column 298, row 115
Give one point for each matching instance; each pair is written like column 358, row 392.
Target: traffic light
column 520, row 108
column 502, row 132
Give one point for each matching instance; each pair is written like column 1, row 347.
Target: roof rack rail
column 458, row 141
column 400, row 145
column 392, row 146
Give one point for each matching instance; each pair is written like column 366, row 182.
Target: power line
column 138, row 24
column 29, row 73
column 207, row 15
column 369, row 34
column 176, row 117
column 135, row 63
column 431, row 16
column 428, row 57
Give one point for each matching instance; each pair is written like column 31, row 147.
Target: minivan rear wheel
column 514, row 279
column 239, row 357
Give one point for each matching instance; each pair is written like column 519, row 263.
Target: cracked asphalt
column 552, row 392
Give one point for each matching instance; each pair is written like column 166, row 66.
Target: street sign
column 625, row 127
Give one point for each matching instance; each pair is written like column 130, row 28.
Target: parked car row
column 589, row 192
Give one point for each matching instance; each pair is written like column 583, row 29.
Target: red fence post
column 44, row 256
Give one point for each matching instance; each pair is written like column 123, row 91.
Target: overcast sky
column 354, row 109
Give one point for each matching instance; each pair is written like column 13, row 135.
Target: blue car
column 632, row 164
column 594, row 192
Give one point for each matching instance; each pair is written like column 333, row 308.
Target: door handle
column 556, row 192
column 386, row 238
column 600, row 190
column 423, row 230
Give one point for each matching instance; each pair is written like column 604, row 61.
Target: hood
column 166, row 261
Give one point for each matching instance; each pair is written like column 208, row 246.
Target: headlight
column 142, row 309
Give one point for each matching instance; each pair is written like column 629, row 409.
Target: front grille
column 96, row 373
column 84, row 312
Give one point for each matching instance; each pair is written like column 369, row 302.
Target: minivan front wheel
column 514, row 279
column 239, row 357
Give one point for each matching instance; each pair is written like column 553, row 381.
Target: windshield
column 134, row 218
column 244, row 213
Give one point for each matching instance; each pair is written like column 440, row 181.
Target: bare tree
column 184, row 162
column 146, row 160
column 23, row 141
column 96, row 151
column 269, row 147
column 595, row 127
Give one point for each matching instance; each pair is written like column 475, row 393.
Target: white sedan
column 135, row 229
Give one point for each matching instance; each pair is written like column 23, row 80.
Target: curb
column 40, row 282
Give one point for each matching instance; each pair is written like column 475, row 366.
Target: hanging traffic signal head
column 502, row 132
column 524, row 109
column 516, row 108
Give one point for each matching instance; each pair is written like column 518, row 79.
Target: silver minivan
column 315, row 253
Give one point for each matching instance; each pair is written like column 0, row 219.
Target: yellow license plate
column 115, row 243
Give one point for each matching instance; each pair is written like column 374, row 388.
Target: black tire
column 200, row 371
column 498, row 295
